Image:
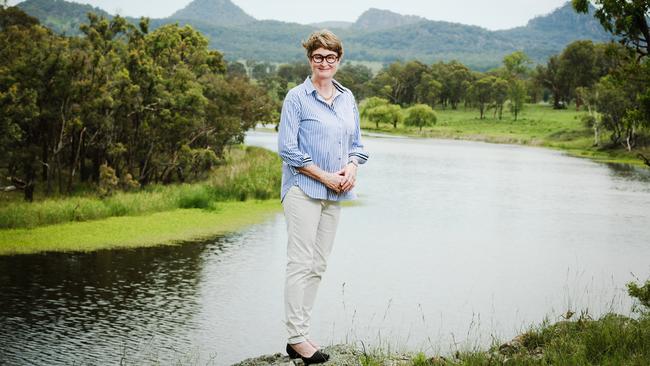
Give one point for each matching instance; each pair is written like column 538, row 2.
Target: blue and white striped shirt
column 313, row 132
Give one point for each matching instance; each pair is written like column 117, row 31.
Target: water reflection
column 97, row 306
column 629, row 172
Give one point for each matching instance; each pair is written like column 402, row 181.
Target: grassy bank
column 580, row 340
column 168, row 227
column 248, row 173
column 242, row 191
column 537, row 125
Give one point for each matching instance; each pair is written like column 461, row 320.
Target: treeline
column 608, row 80
column 453, row 84
column 120, row 104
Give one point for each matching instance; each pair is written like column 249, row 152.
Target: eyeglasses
column 318, row 58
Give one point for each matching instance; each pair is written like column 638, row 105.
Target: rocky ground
column 346, row 355
column 340, row 355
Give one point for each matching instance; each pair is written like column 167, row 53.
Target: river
column 450, row 244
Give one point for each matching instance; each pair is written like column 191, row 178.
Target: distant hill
column 216, row 12
column 377, row 19
column 547, row 33
column 377, row 35
column 331, row 25
column 59, row 15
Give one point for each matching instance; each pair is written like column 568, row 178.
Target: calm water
column 450, row 243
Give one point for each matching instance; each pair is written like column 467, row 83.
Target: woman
column 319, row 143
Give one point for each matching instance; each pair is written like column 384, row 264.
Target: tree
column 516, row 65
column 625, row 19
column 155, row 107
column 481, row 93
column 500, row 89
column 387, row 113
column 455, row 78
column 420, row 115
column 398, row 82
column 551, row 77
column 614, row 104
column 355, row 77
column 428, row 90
column 369, row 104
column 517, row 94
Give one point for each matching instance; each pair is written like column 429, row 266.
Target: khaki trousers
column 311, row 227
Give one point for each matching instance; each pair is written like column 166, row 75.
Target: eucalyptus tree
column 517, row 95
column 480, row 93
column 516, row 67
column 31, row 90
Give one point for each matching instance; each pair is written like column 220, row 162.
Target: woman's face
column 323, row 69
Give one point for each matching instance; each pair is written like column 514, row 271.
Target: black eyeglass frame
column 326, row 58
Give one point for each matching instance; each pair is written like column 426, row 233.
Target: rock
column 340, row 355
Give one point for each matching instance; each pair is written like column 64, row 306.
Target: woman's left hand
column 349, row 174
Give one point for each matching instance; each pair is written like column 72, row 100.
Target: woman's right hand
column 333, row 181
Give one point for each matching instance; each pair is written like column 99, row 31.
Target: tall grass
column 611, row 340
column 248, row 173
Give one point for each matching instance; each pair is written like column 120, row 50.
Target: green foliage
column 625, row 19
column 107, row 180
column 420, row 115
column 388, row 113
column 379, row 110
column 355, row 77
column 420, row 359
column 516, row 64
column 249, row 173
column 641, row 294
column 156, row 106
column 517, row 95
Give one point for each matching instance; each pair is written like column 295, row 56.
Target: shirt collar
column 309, row 86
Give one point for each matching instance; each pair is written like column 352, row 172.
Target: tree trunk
column 76, row 159
column 29, row 183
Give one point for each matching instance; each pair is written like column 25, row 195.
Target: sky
column 490, row 14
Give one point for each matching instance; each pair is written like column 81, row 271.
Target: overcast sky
column 491, row 14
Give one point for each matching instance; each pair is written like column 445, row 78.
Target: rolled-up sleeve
column 356, row 153
column 288, row 147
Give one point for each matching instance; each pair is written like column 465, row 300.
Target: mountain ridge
column 222, row 12
column 377, row 35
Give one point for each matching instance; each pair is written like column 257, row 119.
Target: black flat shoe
column 292, row 352
column 317, row 357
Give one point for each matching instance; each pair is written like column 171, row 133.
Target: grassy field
column 537, row 125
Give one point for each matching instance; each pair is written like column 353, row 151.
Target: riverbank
column 578, row 339
column 611, row 340
column 241, row 191
column 537, row 125
column 161, row 228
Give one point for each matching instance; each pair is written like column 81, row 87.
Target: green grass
column 248, row 173
column 167, row 227
column 227, row 201
column 611, row 340
column 537, row 125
